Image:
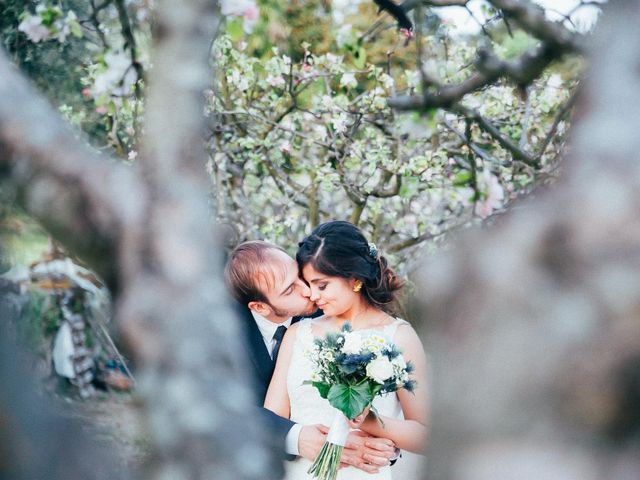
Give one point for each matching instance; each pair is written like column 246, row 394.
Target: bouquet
column 351, row 369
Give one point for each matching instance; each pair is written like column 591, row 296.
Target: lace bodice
column 308, row 407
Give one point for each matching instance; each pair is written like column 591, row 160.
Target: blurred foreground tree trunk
column 534, row 323
column 148, row 231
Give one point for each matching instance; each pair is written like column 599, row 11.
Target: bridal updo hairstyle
column 339, row 249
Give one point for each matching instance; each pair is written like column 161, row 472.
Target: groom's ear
column 260, row 308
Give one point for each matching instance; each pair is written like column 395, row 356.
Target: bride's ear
column 260, row 308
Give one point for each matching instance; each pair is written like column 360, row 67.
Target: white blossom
column 387, row 81
column 327, row 102
column 275, row 81
column 117, row 64
column 32, row 27
column 241, row 81
column 340, row 123
column 348, row 80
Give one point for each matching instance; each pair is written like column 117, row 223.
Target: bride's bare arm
column 411, row 433
column 277, row 399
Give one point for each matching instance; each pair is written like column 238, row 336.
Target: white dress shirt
column 267, row 330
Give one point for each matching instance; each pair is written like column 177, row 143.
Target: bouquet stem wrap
column 325, row 466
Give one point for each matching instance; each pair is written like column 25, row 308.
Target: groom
column 271, row 296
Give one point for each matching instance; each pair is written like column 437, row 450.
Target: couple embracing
column 338, row 272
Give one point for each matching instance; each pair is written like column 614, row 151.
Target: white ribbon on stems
column 339, row 430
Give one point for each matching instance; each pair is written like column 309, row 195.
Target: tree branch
column 490, row 68
column 130, row 43
column 552, row 131
column 494, row 132
column 85, row 199
column 531, row 17
column 409, row 5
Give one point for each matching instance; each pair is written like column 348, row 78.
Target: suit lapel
column 257, row 349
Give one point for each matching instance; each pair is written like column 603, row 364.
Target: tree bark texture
column 148, row 228
column 533, row 324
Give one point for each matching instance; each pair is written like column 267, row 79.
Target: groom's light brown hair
column 248, row 268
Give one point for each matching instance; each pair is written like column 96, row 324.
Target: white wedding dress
column 308, row 407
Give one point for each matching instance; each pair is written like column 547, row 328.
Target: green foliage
column 40, row 320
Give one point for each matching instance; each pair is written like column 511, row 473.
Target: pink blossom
column 251, row 13
column 406, row 32
column 494, row 195
column 86, row 92
column 101, row 109
column 285, row 147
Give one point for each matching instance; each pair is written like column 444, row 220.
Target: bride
column 352, row 283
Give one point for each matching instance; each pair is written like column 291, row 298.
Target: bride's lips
column 320, row 305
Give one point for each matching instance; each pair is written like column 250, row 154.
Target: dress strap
column 390, row 330
column 305, row 332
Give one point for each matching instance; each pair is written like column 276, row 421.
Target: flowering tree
column 302, row 133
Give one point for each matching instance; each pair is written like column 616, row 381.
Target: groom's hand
column 311, row 440
column 366, row 452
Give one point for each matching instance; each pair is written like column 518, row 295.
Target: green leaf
column 75, row 28
column 235, row 28
column 409, row 186
column 462, row 178
column 323, row 388
column 350, row 399
column 360, row 57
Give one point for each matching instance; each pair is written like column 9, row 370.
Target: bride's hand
column 359, row 420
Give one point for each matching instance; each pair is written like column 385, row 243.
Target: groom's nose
column 306, row 291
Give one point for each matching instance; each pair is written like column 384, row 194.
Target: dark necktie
column 280, row 331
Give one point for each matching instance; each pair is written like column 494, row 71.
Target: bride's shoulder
column 303, row 324
column 406, row 335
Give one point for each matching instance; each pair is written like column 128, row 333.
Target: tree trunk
column 148, row 229
column 533, row 323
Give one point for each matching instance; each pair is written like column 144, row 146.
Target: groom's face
column 286, row 292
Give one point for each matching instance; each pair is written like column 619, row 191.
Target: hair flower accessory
column 373, row 250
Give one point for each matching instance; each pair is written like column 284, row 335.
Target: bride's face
column 334, row 295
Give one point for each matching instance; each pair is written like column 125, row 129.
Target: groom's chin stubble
column 311, row 310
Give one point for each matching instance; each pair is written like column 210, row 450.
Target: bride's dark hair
column 339, row 249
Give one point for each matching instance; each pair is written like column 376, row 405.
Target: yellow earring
column 357, row 285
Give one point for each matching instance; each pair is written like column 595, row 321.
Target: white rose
column 352, row 344
column 380, row 369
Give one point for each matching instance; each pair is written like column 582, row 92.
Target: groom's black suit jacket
column 263, row 368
